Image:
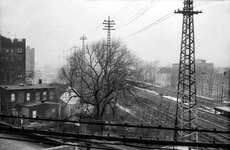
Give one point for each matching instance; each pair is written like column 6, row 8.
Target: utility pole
column 109, row 24
column 186, row 109
column 83, row 38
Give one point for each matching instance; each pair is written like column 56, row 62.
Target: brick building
column 38, row 100
column 12, row 60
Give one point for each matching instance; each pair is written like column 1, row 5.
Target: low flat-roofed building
column 33, row 100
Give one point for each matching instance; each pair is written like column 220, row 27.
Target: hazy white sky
column 54, row 26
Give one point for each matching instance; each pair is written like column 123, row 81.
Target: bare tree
column 101, row 76
column 149, row 71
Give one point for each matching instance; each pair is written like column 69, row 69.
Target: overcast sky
column 54, row 26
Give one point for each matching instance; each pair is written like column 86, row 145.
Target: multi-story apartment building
column 12, row 60
column 38, row 100
column 29, row 63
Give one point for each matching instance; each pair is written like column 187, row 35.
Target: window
column 12, row 59
column 14, row 112
column 19, row 76
column 19, row 58
column 12, row 97
column 53, row 111
column 37, row 96
column 19, row 50
column 44, row 95
column 34, row 114
column 12, row 50
column 51, row 95
column 28, row 96
column 7, row 50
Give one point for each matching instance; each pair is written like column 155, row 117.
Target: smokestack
column 40, row 81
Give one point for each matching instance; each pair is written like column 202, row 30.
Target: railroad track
column 224, row 121
column 205, row 137
column 207, row 120
column 217, row 120
column 200, row 99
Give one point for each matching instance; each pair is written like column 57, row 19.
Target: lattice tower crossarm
column 186, row 110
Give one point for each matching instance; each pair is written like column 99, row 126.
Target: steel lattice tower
column 186, row 110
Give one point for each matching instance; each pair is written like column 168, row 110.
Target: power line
column 139, row 140
column 152, row 24
column 115, row 124
column 140, row 13
column 162, row 19
column 124, row 7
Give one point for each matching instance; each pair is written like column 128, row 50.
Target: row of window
column 8, row 50
column 12, row 59
column 19, row 76
column 37, row 96
column 34, row 112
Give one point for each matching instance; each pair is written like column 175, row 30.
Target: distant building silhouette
column 29, row 63
column 163, row 77
column 210, row 81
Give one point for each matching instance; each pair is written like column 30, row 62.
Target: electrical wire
column 115, row 124
column 162, row 19
column 126, row 7
column 136, row 140
column 140, row 13
column 151, row 25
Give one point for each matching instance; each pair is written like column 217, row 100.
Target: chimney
column 40, row 81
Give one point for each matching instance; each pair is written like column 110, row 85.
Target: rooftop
column 224, row 108
column 27, row 86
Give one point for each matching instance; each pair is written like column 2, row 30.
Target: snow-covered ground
column 210, row 110
column 11, row 143
column 170, row 98
column 205, row 97
column 204, row 108
column 149, row 91
column 162, row 87
column 227, row 102
column 126, row 109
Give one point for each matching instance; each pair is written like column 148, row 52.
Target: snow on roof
column 27, row 86
column 69, row 97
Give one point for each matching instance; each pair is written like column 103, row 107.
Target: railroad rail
column 207, row 120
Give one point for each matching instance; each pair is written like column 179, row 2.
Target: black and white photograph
column 114, row 74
